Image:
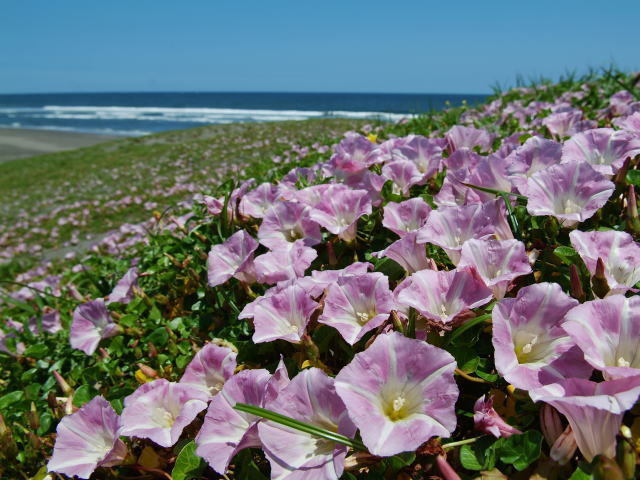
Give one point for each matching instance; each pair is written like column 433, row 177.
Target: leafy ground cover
column 452, row 296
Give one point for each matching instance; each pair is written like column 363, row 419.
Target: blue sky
column 330, row 46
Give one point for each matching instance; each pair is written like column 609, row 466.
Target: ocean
column 132, row 114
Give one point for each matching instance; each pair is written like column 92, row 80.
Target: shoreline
column 16, row 143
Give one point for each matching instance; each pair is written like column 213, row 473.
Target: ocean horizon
column 142, row 113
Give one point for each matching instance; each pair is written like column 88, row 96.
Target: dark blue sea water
column 143, row 113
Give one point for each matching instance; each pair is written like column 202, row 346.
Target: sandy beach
column 20, row 143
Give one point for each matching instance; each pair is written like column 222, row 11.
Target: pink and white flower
column 404, row 217
column 210, row 368
column 285, row 262
column 233, row 258
column 287, row 222
column 92, row 322
column 339, row 212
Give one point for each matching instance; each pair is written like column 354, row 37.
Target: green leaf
column 633, row 177
column 520, row 450
column 480, row 455
column 37, row 351
column 11, row 398
column 159, row 337
column 567, row 254
column 188, row 465
column 583, row 472
column 82, row 395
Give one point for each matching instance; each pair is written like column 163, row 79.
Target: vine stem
column 461, row 442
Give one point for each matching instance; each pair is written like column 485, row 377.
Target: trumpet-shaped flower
column 443, row 295
column 630, row 123
column 399, row 392
column 604, row 148
column 561, row 124
column 407, row 253
column 311, row 398
column 487, row 420
column 91, row 323
column 404, row 175
column 608, row 332
column 160, row 410
column 285, row 262
column 210, row 368
column 498, row 262
column 233, row 258
column 531, row 347
column 339, row 212
column 571, row 192
column 226, row 431
column 619, row 253
column 425, row 153
column 214, row 205
column 404, row 217
column 283, row 316
column 287, row 222
column 258, row 201
column 536, row 154
column 353, row 154
column 459, row 137
column 88, row 439
column 594, row 410
column 450, row 227
column 123, row 291
column 455, row 194
column 356, row 304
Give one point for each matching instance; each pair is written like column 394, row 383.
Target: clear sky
column 455, row 46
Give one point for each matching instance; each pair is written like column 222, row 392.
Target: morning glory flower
column 608, row 332
column 594, row 410
column 88, row 439
column 404, row 217
column 283, row 316
column 531, row 347
column 450, row 227
column 571, row 192
column 285, row 262
column 356, row 304
column 353, row 154
column 399, row 392
column 487, row 420
column 407, row 253
column 536, row 154
column 404, row 175
column 498, row 262
column 287, row 222
column 310, row 397
column 210, row 368
column 425, row 153
column 604, row 149
column 340, row 210
column 630, row 123
column 124, row 290
column 459, row 137
column 91, row 323
column 443, row 295
column 620, row 255
column 160, row 410
column 259, row 200
column 233, row 258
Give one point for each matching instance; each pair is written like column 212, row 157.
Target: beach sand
column 20, row 143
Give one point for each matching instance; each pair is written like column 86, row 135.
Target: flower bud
column 564, row 447
column 550, row 423
column 599, row 283
column 577, row 291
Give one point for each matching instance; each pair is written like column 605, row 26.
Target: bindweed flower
column 259, row 200
column 455, row 194
column 425, row 153
column 210, row 368
column 404, row 175
column 531, row 347
column 630, row 123
column 399, row 392
column 608, row 332
column 91, row 323
column 563, row 123
column 604, row 149
column 619, row 253
column 339, row 212
column 286, row 262
column 498, row 262
column 88, row 439
column 356, row 304
column 594, row 410
column 226, row 431
column 233, row 258
column 283, row 316
column 353, row 154
column 404, row 217
column 450, row 227
column 407, row 253
column 50, row 320
column 487, row 420
column 160, row 410
column 459, row 137
column 536, row 154
column 287, row 222
column 214, row 205
column 124, row 290
column 310, row 397
column 571, row 192
column 443, row 295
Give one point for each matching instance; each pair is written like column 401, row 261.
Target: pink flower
column 594, row 410
column 352, row 154
column 404, row 175
column 124, row 290
column 286, row 262
column 287, row 222
column 487, row 420
column 443, row 295
column 339, row 212
column 210, row 368
column 214, row 205
column 408, row 216
column 356, row 304
column 425, row 153
column 498, row 262
column 310, row 397
column 399, row 392
column 536, row 154
column 630, row 123
column 160, row 410
column 233, row 258
column 459, row 137
column 88, row 439
column 259, row 200
column 604, row 148
column 571, row 192
column 608, row 332
column 283, row 316
column 531, row 347
column 91, row 323
column 407, row 253
column 619, row 253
